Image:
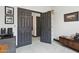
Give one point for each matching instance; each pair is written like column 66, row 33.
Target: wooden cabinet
column 69, row 42
column 3, row 48
column 8, row 45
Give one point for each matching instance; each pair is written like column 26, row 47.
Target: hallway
column 39, row 47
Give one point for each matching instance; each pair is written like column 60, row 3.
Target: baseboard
column 56, row 40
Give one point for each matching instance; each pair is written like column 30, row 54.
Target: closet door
column 24, row 27
column 46, row 27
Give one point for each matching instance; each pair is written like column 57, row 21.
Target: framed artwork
column 9, row 20
column 9, row 10
column 71, row 17
column 9, row 15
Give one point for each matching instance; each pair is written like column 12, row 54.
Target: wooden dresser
column 8, row 45
column 69, row 42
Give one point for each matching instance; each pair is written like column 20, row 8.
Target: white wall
column 2, row 20
column 52, row 21
column 64, row 28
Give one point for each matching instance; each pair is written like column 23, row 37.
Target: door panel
column 38, row 23
column 46, row 27
column 24, row 27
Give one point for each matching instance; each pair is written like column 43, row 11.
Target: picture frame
column 9, row 20
column 71, row 17
column 9, row 10
column 9, row 15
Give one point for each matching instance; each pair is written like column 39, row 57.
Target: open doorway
column 36, row 27
column 41, row 27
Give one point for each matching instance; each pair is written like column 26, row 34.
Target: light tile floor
column 40, row 47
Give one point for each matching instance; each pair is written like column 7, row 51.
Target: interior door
column 24, row 27
column 46, row 27
column 38, row 28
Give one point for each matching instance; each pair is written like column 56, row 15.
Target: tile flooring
column 40, row 47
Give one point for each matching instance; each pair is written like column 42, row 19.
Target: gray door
column 38, row 23
column 24, row 27
column 46, row 27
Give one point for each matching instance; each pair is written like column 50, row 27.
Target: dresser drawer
column 61, row 40
column 3, row 48
column 76, row 46
column 9, row 45
column 69, row 42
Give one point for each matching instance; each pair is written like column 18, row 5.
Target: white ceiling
column 38, row 8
